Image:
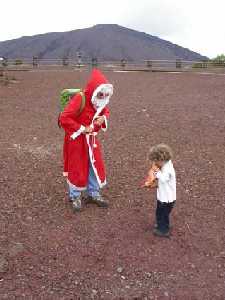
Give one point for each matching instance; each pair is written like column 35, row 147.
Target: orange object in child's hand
column 151, row 180
column 149, row 184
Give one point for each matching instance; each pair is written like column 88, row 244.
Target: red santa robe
column 84, row 149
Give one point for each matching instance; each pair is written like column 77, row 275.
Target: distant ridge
column 106, row 42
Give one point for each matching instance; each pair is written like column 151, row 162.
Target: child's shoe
column 156, row 226
column 159, row 233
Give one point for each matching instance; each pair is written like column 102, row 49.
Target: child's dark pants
column 163, row 211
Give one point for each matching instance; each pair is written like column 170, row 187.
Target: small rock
column 16, row 249
column 93, row 294
column 119, row 269
column 4, row 265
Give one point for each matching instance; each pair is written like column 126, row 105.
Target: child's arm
column 162, row 176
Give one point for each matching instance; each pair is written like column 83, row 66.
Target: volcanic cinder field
column 48, row 252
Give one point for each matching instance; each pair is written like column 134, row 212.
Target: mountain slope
column 106, row 42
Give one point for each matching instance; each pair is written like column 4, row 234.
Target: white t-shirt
column 166, row 191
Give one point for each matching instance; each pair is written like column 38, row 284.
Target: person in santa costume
column 83, row 163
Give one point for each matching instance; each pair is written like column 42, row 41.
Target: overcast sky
column 195, row 24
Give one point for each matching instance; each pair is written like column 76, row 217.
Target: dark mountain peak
column 104, row 41
column 104, row 26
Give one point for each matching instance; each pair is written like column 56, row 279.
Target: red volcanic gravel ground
column 47, row 252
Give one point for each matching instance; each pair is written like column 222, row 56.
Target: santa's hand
column 88, row 129
column 99, row 120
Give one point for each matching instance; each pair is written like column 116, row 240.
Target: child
column 163, row 171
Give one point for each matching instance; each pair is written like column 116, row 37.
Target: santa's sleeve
column 69, row 115
column 105, row 114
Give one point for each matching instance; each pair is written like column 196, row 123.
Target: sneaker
column 159, row 233
column 156, row 226
column 76, row 203
column 99, row 200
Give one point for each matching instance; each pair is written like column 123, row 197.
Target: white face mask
column 97, row 103
column 100, row 101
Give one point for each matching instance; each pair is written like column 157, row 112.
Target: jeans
column 92, row 187
column 163, row 211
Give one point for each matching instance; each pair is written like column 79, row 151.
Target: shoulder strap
column 82, row 103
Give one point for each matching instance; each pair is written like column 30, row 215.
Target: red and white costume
column 80, row 149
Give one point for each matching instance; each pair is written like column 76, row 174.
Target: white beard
column 105, row 88
column 100, row 103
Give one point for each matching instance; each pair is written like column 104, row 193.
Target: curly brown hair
column 160, row 152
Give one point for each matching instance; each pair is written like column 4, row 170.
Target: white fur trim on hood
column 105, row 88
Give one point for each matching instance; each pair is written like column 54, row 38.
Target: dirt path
column 47, row 252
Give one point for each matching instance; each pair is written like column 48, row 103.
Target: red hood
column 96, row 78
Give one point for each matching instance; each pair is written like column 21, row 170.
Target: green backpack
column 65, row 97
